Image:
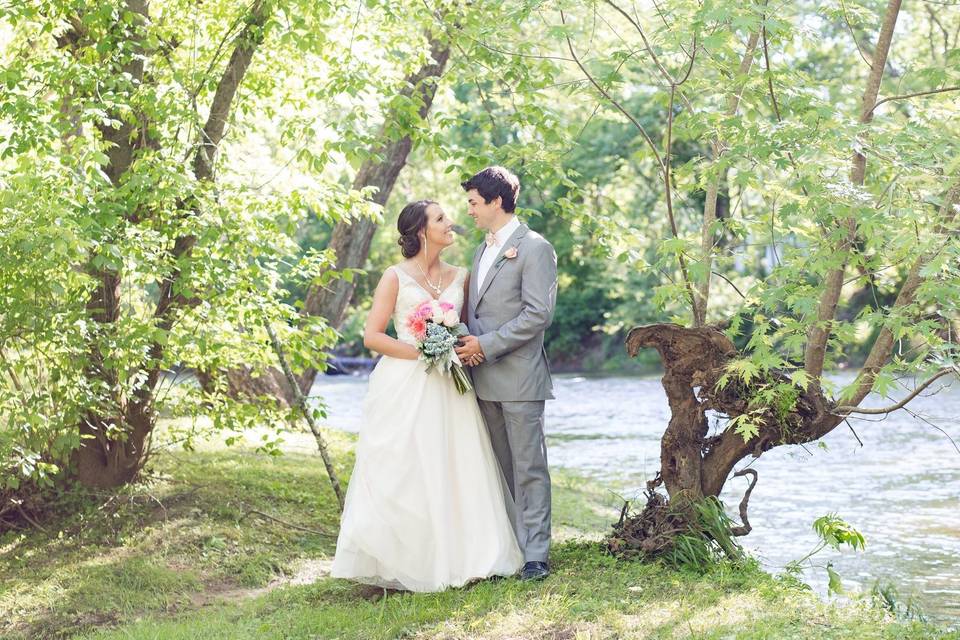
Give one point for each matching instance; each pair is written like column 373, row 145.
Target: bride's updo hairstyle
column 412, row 220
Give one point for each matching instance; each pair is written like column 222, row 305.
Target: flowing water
column 901, row 489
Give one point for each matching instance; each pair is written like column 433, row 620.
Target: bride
column 426, row 505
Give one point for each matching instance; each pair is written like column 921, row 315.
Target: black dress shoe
column 534, row 571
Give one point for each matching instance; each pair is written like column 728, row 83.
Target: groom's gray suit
column 508, row 313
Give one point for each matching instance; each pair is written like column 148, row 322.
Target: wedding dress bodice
column 411, row 294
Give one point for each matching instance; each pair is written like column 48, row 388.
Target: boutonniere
column 509, row 254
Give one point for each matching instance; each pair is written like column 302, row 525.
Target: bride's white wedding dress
column 425, row 507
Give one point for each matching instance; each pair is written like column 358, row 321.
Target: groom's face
column 482, row 212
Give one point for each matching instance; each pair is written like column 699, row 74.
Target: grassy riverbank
column 227, row 543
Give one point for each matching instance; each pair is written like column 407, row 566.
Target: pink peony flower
column 418, row 326
column 446, row 306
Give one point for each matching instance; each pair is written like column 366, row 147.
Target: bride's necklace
column 438, row 288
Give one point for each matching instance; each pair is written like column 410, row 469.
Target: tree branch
column 213, row 130
column 847, row 409
column 745, row 528
column 298, row 527
column 301, row 403
column 843, row 8
column 668, row 192
column 653, row 56
column 663, row 163
column 517, row 54
column 820, row 414
column 612, row 101
column 883, row 345
column 220, row 108
column 728, row 281
column 914, row 95
column 773, row 100
column 169, row 299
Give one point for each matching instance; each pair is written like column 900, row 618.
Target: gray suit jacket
column 509, row 314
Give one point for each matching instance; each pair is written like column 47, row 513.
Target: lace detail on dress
column 411, row 294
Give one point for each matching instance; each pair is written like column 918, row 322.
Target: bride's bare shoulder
column 390, row 274
column 399, row 267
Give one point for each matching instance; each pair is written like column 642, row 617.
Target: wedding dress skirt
column 426, row 506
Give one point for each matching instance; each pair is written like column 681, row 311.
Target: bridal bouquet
column 437, row 328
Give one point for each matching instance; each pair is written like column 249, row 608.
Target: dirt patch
column 58, row 627
column 307, row 571
column 521, row 629
column 218, row 592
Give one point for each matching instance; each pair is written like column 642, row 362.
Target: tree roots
column 648, row 533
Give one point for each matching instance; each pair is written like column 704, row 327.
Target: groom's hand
column 470, row 353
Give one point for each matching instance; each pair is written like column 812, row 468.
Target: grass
column 191, row 554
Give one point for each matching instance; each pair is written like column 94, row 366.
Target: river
column 901, row 489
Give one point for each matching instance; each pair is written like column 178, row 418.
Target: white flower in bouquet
column 451, row 319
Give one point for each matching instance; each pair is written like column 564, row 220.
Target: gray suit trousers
column 516, row 433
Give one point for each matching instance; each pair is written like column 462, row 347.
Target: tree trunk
column 819, row 333
column 693, row 466
column 710, row 204
column 103, row 460
column 100, row 461
column 350, row 240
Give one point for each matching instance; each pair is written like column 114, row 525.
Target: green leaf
column 834, row 585
column 800, row 378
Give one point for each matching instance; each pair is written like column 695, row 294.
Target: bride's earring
column 437, row 288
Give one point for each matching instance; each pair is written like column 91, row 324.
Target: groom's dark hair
column 493, row 182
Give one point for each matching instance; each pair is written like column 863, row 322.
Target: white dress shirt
column 491, row 253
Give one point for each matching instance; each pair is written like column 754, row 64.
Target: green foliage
column 768, row 403
column 708, row 541
column 90, row 217
column 588, row 173
column 691, row 552
column 833, row 533
column 836, row 533
column 747, row 425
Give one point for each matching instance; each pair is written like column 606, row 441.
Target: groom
column 513, row 290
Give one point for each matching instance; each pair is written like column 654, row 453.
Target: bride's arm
column 375, row 335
